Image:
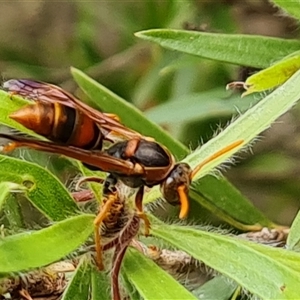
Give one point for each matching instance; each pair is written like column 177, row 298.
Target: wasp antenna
column 216, row 155
column 184, row 201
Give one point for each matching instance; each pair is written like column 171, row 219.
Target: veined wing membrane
column 97, row 159
column 45, row 92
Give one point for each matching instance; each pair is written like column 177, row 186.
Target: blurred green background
column 184, row 94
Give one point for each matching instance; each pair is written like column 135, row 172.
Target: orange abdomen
column 60, row 123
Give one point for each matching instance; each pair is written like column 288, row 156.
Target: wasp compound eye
column 179, row 176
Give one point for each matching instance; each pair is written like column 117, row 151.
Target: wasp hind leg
column 140, row 212
column 97, row 223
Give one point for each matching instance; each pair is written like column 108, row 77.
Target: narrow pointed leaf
column 199, row 107
column 43, row 189
column 150, row 280
column 100, row 288
column 79, row 286
column 237, row 260
column 130, row 289
column 245, row 50
column 273, row 76
column 239, row 215
column 288, row 258
column 36, row 249
column 218, row 288
column 292, row 7
column 293, row 240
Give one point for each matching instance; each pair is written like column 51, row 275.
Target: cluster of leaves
column 266, row 272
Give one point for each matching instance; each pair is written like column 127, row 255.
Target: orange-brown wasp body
column 137, row 161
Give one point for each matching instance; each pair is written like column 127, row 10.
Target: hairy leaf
column 240, row 260
column 79, row 286
column 150, row 280
column 293, row 240
column 29, row 250
column 246, row 50
column 43, row 189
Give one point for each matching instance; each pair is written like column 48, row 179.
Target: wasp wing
column 45, row 92
column 98, row 159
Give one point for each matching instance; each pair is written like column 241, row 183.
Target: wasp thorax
column 179, row 177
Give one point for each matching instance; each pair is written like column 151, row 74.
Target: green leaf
column 43, row 189
column 293, row 240
column 283, row 256
column 240, row 260
column 149, row 85
column 292, row 7
column 130, row 289
column 36, row 249
column 199, row 107
column 150, row 280
column 100, row 285
column 7, row 188
column 218, row 288
column 246, row 50
column 243, row 215
column 131, row 117
column 79, row 286
column 273, row 76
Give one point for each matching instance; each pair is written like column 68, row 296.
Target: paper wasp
column 137, row 161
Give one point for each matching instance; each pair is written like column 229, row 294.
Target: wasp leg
column 85, row 195
column 117, row 261
column 97, row 223
column 131, row 147
column 113, row 116
column 88, row 179
column 140, row 211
